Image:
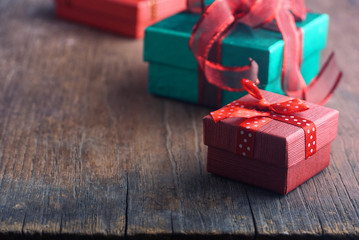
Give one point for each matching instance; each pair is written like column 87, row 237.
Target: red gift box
column 126, row 17
column 283, row 154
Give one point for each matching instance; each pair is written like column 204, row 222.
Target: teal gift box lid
column 173, row 69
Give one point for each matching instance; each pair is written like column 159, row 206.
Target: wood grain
column 86, row 152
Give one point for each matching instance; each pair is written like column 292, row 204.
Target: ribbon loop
column 219, row 19
column 252, row 89
column 298, row 9
column 246, row 110
column 289, row 107
column 211, row 28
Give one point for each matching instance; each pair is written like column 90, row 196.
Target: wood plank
column 86, row 151
column 344, row 196
column 62, row 166
column 324, row 206
column 206, row 200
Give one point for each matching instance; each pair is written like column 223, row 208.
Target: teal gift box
column 174, row 73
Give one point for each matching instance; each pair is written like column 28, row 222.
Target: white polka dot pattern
column 309, row 128
column 248, row 128
column 246, row 135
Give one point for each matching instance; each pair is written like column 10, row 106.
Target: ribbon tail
column 208, row 94
column 293, row 83
column 322, row 87
column 209, row 29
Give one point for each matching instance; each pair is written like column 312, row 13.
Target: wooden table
column 86, row 151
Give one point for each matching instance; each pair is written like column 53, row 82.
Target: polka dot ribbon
column 262, row 112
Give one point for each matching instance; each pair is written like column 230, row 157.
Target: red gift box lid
column 277, row 143
column 135, row 11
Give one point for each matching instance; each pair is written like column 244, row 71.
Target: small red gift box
column 277, row 149
column 127, row 17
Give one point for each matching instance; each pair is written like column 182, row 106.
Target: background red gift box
column 126, row 17
column 279, row 163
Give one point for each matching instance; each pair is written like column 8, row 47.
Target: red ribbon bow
column 222, row 15
column 243, row 109
column 255, row 119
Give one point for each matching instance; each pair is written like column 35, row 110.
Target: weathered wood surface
column 86, row 151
